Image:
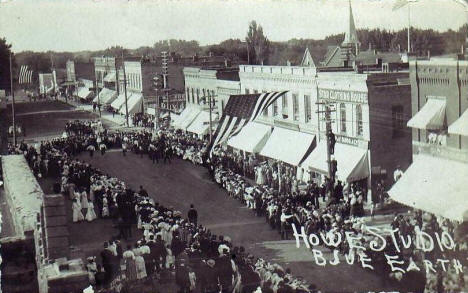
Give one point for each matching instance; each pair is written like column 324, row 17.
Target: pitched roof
column 307, row 59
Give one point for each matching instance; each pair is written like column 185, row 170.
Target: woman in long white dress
column 77, row 214
column 140, row 264
column 90, row 213
column 105, row 208
column 130, row 265
column 84, row 200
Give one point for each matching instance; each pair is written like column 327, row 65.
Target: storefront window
column 193, row 96
column 359, row 127
column 284, row 101
column 343, row 117
column 275, row 108
column 188, row 95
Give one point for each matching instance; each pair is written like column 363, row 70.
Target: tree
column 259, row 45
column 5, row 50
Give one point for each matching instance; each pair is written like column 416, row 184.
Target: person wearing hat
column 192, row 215
column 209, row 277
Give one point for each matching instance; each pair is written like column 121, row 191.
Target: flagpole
column 409, row 27
column 13, row 103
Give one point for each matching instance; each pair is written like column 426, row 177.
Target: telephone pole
column 331, row 164
column 12, row 102
column 125, row 90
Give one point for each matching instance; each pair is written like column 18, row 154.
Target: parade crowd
column 203, row 262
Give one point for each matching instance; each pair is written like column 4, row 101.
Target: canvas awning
column 352, row 162
column 182, row 116
column 287, row 145
column 117, row 103
column 201, row 124
column 106, row 96
column 110, row 77
column 460, row 126
column 252, row 138
column 434, row 185
column 430, row 117
column 134, row 103
column 83, row 93
column 187, row 119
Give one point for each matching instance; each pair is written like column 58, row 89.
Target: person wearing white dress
column 105, row 208
column 84, row 200
column 90, row 213
column 77, row 214
column 140, row 264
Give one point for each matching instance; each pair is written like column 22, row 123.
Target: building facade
column 439, row 128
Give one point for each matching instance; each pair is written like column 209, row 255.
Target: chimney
column 375, row 52
column 399, row 48
column 428, row 54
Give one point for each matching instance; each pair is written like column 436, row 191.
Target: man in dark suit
column 192, row 215
column 107, row 259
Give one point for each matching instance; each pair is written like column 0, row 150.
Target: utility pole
column 12, row 102
column 211, row 131
column 97, row 93
column 125, row 90
column 331, row 164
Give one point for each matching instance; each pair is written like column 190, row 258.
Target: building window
column 275, row 108
column 265, row 111
column 284, row 104
column 343, row 117
column 398, row 124
column 307, row 108
column 188, row 95
column 359, row 127
column 193, row 96
column 255, row 91
column 295, row 101
column 204, row 98
column 198, row 96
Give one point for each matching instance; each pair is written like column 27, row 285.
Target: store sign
column 351, row 141
column 343, row 96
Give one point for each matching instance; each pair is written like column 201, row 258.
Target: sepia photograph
column 233, row 146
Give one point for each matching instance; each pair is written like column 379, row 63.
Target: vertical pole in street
column 97, row 93
column 328, row 129
column 211, row 121
column 125, row 90
column 156, row 111
column 12, row 102
column 409, row 27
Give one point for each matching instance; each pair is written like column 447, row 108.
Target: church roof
column 307, row 59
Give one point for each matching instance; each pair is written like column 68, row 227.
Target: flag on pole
column 25, row 75
column 239, row 110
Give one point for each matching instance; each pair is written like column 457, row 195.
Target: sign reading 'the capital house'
column 343, row 96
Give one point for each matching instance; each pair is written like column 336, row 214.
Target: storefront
column 134, row 104
column 201, row 124
column 119, row 102
column 106, row 97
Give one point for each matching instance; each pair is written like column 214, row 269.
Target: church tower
column 350, row 45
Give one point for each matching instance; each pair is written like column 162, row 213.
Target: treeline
column 278, row 53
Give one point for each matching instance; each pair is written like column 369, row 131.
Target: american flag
column 239, row 110
column 25, row 75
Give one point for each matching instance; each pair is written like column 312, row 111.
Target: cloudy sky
column 73, row 25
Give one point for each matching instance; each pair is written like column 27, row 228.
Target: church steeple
column 350, row 34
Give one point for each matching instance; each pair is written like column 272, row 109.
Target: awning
column 117, row 103
column 83, row 93
column 106, row 96
column 460, row 126
column 287, row 145
column 110, row 77
column 352, row 162
column 252, row 138
column 434, row 185
column 134, row 103
column 151, row 111
column 430, row 117
column 201, row 124
column 189, row 115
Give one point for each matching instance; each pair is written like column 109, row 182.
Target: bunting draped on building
column 239, row 110
column 25, row 75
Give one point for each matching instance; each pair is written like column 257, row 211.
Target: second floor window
column 343, row 117
column 398, row 124
column 284, row 104
column 307, row 108
column 359, row 123
column 295, row 101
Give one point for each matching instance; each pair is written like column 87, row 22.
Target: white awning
column 352, row 162
column 182, row 116
column 430, row 117
column 110, row 77
column 134, row 103
column 460, row 126
column 252, row 138
column 106, row 96
column 201, row 124
column 117, row 103
column 185, row 121
column 151, row 111
column 83, row 93
column 287, row 145
column 434, row 185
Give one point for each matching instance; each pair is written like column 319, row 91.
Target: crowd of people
column 200, row 260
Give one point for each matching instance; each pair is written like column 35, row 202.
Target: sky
column 75, row 25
